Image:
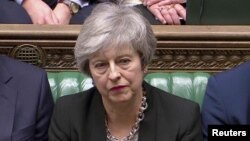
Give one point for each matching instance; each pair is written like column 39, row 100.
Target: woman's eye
column 124, row 61
column 99, row 65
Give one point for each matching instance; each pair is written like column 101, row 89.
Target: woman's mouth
column 117, row 88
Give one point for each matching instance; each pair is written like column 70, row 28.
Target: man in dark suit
column 227, row 98
column 26, row 102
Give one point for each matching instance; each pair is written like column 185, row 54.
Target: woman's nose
column 114, row 73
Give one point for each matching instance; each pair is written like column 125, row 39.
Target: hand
column 169, row 14
column 167, row 2
column 174, row 13
column 162, row 2
column 62, row 13
column 39, row 12
column 156, row 11
column 150, row 2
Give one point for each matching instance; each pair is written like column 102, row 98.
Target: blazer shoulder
column 12, row 65
column 177, row 101
column 174, row 108
column 171, row 100
column 76, row 99
column 237, row 72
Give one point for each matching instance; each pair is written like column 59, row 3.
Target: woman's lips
column 117, row 88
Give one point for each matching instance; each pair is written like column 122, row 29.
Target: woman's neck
column 120, row 117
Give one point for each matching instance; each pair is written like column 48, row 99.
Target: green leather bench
column 188, row 85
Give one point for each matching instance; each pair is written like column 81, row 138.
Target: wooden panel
column 179, row 48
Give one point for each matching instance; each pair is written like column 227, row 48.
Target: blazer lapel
column 96, row 118
column 7, row 104
column 148, row 127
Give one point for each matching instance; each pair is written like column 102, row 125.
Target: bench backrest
column 188, row 85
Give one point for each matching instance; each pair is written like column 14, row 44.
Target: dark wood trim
column 179, row 48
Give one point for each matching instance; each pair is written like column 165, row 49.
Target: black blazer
column 81, row 117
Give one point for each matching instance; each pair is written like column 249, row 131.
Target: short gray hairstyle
column 117, row 26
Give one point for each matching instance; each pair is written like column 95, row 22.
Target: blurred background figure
column 157, row 12
column 170, row 12
column 27, row 12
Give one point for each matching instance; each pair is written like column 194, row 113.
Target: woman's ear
column 145, row 69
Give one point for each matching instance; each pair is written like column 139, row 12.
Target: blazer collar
column 147, row 131
column 4, row 73
column 96, row 119
column 8, row 96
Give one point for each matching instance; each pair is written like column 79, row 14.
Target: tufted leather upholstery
column 218, row 12
column 188, row 85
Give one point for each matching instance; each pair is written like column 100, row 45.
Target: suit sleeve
column 212, row 109
column 45, row 110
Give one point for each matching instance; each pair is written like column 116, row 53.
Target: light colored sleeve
column 82, row 3
column 19, row 1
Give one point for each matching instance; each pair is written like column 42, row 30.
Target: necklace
column 135, row 128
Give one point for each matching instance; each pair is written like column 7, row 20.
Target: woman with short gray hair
column 115, row 47
column 116, row 26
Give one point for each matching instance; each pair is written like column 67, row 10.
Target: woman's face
column 117, row 73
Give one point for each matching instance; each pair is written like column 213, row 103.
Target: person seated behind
column 39, row 12
column 27, row 12
column 227, row 98
column 26, row 102
column 165, row 14
column 115, row 47
column 76, row 11
column 171, row 12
